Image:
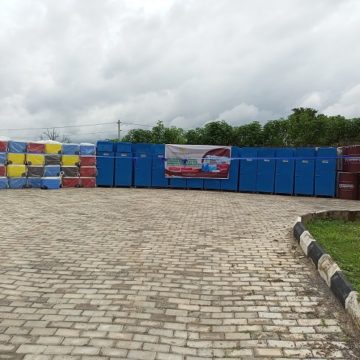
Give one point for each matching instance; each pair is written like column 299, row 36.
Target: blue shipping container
column 105, row 146
column 248, row 169
column 232, row 183
column 142, row 169
column 304, row 171
column 285, row 171
column 105, row 164
column 177, row 183
column 265, row 178
column 325, row 172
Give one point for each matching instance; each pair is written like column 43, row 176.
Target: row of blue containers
column 302, row 171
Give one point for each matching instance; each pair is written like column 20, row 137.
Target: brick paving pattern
column 162, row 274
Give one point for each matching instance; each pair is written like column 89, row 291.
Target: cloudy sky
column 186, row 62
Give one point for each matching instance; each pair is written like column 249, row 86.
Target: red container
column 87, row 160
column 2, row 170
column 70, row 182
column 351, row 164
column 87, row 182
column 35, row 148
column 87, row 171
column 3, row 146
column 348, row 186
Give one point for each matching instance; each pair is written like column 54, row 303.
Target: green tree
column 249, row 135
column 218, row 133
column 138, row 136
column 276, row 133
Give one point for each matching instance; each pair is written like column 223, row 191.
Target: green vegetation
column 341, row 239
column 304, row 127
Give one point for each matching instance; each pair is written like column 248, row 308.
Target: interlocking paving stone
column 163, row 274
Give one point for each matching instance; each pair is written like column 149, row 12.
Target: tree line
column 303, row 127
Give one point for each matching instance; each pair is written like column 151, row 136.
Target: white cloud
column 183, row 61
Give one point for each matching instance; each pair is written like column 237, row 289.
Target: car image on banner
column 197, row 161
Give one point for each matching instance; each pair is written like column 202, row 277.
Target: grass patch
column 341, row 240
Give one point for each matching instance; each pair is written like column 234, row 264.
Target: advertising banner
column 197, row 161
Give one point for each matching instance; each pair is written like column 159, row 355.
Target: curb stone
column 326, row 266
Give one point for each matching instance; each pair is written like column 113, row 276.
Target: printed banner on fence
column 197, row 161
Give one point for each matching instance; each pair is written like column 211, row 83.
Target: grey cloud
column 183, row 61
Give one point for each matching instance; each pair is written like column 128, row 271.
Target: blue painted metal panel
column 142, row 169
column 178, row 183
column 124, row 169
column 123, row 147
column 195, row 184
column 232, row 183
column 265, row 178
column 248, row 169
column 105, row 146
column 158, row 178
column 325, row 172
column 142, row 148
column 212, row 184
column 304, row 171
column 105, row 164
column 285, row 171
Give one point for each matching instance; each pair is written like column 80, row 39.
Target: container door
column 123, row 169
column 105, row 169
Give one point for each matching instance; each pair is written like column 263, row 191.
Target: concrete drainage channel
column 326, row 266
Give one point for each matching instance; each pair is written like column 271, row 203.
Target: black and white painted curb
column 328, row 270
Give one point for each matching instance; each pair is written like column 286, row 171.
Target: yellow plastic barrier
column 70, row 160
column 16, row 170
column 14, row 158
column 35, row 159
column 52, row 148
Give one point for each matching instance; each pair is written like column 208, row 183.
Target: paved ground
column 162, row 274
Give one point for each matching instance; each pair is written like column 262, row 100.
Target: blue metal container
column 105, row 146
column 87, row 149
column 51, row 183
column 195, row 183
column 17, row 183
column 124, row 169
column 142, row 169
column 285, row 171
column 248, row 169
column 123, row 147
column 18, row 147
column 4, row 183
column 105, row 164
column 232, row 183
column 3, row 157
column 71, row 149
column 52, row 170
column 212, row 184
column 34, row 182
column 325, row 172
column 177, row 183
column 304, row 171
column 158, row 178
column 265, row 178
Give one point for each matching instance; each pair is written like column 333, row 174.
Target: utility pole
column 119, row 130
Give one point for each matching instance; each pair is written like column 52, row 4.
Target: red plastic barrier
column 2, row 170
column 35, row 148
column 87, row 160
column 87, row 182
column 87, row 171
column 70, row 182
column 3, row 146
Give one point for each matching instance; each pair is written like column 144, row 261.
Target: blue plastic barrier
column 4, row 183
column 71, row 149
column 17, row 183
column 51, row 183
column 18, row 147
column 52, row 170
column 87, row 149
column 3, row 157
column 34, row 182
